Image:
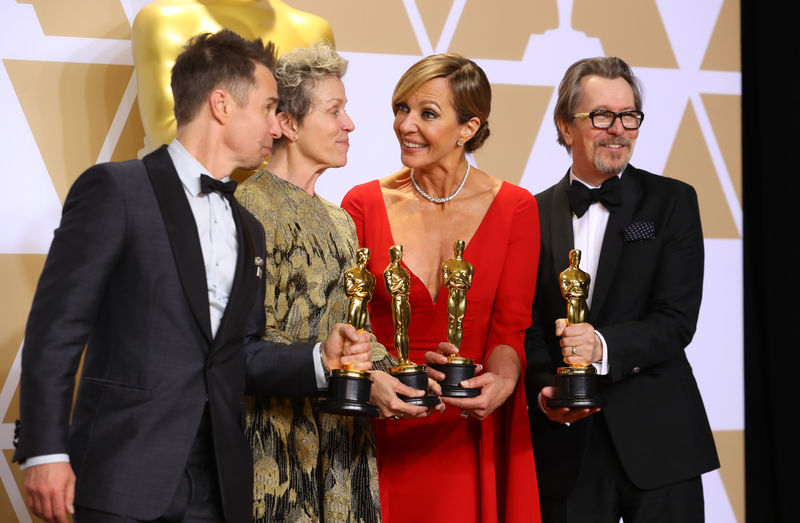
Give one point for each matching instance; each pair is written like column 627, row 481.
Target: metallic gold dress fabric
column 309, row 466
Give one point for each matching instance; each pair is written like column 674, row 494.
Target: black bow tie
column 581, row 197
column 209, row 185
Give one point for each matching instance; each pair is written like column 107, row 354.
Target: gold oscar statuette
column 457, row 276
column 576, row 386
column 398, row 285
column 348, row 388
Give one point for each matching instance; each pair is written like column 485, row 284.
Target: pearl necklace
column 434, row 199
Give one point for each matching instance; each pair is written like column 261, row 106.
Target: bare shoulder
column 395, row 180
column 484, row 182
column 397, row 187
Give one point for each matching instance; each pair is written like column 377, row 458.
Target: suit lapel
column 182, row 233
column 612, row 240
column 561, row 233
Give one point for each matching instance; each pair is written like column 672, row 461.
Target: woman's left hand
column 383, row 394
column 503, row 370
column 495, row 390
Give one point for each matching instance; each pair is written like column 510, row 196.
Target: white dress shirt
column 588, row 232
column 215, row 228
column 218, row 241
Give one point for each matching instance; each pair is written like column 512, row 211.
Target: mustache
column 614, row 141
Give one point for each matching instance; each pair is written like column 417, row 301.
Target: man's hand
column 50, row 491
column 579, row 343
column 346, row 347
column 562, row 415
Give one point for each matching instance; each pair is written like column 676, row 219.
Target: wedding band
column 395, row 417
column 464, row 414
column 574, row 351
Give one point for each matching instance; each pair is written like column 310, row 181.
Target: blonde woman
column 474, row 462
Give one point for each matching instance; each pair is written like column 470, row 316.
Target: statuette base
column 576, row 388
column 408, row 368
column 455, row 372
column 348, row 394
column 418, row 380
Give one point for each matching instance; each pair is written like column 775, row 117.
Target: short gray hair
column 299, row 71
column 569, row 90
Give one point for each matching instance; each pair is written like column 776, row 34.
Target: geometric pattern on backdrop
column 68, row 100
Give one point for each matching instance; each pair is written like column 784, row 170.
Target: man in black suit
column 157, row 271
column 641, row 456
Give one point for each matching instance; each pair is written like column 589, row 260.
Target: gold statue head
column 396, row 253
column 458, row 248
column 574, row 258
column 362, row 257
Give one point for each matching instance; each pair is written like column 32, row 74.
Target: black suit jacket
column 125, row 278
column 645, row 303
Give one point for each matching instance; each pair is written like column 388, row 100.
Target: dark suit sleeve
column 540, row 338
column 668, row 317
column 538, row 342
column 84, row 251
column 274, row 369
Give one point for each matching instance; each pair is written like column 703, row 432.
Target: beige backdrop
column 68, row 100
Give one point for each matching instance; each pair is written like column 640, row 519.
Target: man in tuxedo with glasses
column 640, row 457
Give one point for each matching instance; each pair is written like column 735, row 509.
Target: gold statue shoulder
column 162, row 27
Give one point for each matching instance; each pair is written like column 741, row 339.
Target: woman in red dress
column 474, row 461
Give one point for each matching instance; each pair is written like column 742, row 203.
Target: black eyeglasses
column 602, row 119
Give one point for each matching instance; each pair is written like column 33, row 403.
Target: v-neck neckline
column 466, row 249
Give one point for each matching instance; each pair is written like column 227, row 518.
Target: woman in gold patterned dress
column 311, row 466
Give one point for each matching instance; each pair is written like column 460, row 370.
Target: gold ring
column 395, row 417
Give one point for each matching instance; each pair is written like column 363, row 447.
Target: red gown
column 446, row 468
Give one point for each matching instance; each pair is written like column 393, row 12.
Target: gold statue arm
column 396, row 284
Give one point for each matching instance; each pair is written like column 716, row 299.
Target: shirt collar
column 572, row 177
column 189, row 169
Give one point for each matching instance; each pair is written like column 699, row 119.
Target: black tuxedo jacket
column 125, row 278
column 645, row 303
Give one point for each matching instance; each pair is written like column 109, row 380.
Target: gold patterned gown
column 309, row 466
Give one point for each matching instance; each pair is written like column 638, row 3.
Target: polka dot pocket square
column 638, row 231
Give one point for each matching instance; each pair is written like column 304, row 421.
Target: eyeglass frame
column 591, row 115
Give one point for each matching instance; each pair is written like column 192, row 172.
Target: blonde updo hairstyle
column 297, row 74
column 472, row 93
